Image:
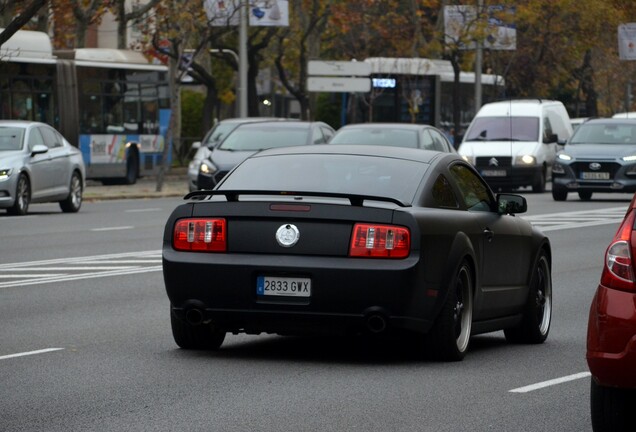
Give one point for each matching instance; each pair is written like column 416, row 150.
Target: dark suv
column 599, row 157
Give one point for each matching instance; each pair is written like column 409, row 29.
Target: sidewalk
column 175, row 184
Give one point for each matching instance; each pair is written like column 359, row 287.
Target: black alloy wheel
column 449, row 337
column 537, row 314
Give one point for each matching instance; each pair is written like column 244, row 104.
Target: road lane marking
column 69, row 269
column 121, row 228
column 42, row 351
column 549, row 383
column 121, row 257
column 142, row 210
column 74, row 277
column 577, row 219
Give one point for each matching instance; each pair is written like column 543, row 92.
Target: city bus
column 419, row 90
column 112, row 104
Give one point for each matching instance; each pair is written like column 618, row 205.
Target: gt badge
column 287, row 235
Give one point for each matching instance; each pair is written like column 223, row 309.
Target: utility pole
column 243, row 64
column 478, row 57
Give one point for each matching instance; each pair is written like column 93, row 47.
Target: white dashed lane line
column 550, row 383
column 29, row 353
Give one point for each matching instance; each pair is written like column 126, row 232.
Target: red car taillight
column 204, row 235
column 380, row 241
column 618, row 272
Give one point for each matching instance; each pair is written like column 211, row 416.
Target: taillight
column 618, row 272
column 202, row 235
column 380, row 241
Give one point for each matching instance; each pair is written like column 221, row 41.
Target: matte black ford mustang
column 356, row 239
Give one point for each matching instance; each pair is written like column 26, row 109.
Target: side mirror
column 39, row 149
column 511, row 204
column 552, row 138
column 196, row 145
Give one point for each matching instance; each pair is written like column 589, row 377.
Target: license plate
column 595, row 175
column 493, row 173
column 283, row 286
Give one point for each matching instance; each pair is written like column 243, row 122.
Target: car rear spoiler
column 354, row 199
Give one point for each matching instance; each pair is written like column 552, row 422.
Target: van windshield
column 504, row 129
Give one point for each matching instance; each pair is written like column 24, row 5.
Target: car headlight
column 564, row 157
column 557, row 168
column 525, row 160
column 5, row 173
column 207, row 168
column 629, row 158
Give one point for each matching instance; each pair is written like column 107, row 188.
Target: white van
column 514, row 143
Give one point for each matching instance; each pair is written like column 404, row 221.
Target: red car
column 611, row 334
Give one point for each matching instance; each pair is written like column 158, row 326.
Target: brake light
column 618, row 272
column 201, row 235
column 380, row 241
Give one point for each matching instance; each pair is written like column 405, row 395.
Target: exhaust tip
column 376, row 323
column 194, row 316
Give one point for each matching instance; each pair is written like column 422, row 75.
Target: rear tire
column 537, row 314
column 197, row 337
column 539, row 185
column 559, row 194
column 585, row 195
column 22, row 197
column 73, row 201
column 449, row 337
column 611, row 408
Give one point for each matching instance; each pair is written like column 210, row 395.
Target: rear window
column 379, row 136
column 259, row 137
column 347, row 174
column 590, row 133
column 504, row 129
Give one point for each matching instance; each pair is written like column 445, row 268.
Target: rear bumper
column 611, row 338
column 348, row 296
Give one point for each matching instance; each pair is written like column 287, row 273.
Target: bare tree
column 123, row 18
column 297, row 38
column 85, row 15
column 20, row 20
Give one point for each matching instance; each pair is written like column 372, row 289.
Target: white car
column 37, row 164
column 514, row 143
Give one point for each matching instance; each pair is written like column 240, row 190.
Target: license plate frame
column 588, row 175
column 283, row 286
column 494, row 173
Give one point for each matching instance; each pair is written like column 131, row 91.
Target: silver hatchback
column 37, row 164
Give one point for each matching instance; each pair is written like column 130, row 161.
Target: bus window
column 131, row 108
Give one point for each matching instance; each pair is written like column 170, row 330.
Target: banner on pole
column 462, row 22
column 261, row 13
column 627, row 41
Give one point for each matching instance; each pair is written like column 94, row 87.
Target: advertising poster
column 627, row 41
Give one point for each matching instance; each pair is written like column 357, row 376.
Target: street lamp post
column 243, row 64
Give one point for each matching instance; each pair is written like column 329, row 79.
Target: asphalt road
column 85, row 343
